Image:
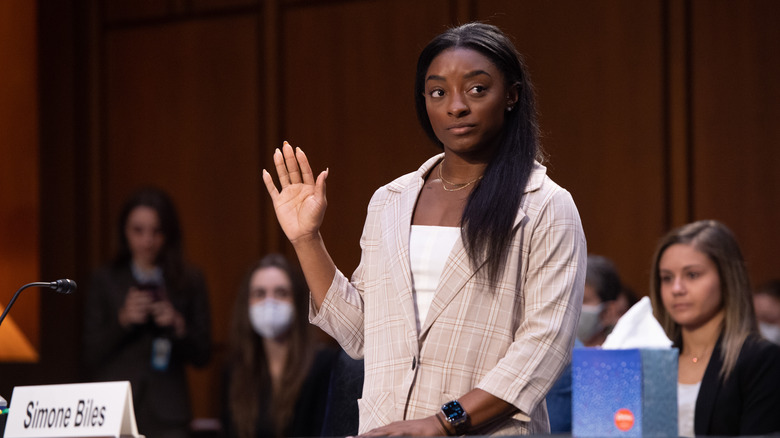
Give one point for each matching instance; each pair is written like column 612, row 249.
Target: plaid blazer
column 511, row 340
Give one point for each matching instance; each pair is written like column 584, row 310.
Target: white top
column 686, row 407
column 429, row 248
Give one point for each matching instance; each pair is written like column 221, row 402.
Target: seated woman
column 277, row 379
column 729, row 376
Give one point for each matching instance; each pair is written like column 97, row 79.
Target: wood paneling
column 598, row 71
column 19, row 203
column 735, row 129
column 348, row 102
column 182, row 113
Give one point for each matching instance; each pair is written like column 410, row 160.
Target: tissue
column 637, row 328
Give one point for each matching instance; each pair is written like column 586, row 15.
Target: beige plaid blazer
column 512, row 340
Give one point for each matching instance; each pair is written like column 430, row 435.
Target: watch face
column 453, row 411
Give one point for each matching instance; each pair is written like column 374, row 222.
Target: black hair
column 170, row 258
column 487, row 224
column 603, row 277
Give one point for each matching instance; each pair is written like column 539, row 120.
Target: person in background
column 604, row 302
column 147, row 316
column 559, row 401
column 728, row 375
column 276, row 381
column 346, row 385
column 600, row 301
column 465, row 303
column 766, row 301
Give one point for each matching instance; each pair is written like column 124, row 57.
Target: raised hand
column 301, row 203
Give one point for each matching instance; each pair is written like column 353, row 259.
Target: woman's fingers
column 292, row 167
column 281, row 168
column 303, row 162
column 269, row 185
column 290, row 160
column 319, row 188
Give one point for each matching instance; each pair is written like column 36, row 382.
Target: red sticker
column 624, row 419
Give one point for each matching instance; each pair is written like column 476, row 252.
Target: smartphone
column 155, row 291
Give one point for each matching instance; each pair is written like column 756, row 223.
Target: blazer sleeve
column 342, row 312
column 552, row 289
column 761, row 390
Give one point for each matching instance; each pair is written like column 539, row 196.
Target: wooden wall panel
column 598, row 71
column 182, row 113
column 735, row 129
column 348, row 101
column 19, row 201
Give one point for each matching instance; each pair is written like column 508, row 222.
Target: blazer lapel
column 457, row 272
column 708, row 392
column 398, row 218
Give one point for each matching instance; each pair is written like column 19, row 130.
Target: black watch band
column 456, row 416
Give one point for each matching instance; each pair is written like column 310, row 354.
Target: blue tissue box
column 624, row 393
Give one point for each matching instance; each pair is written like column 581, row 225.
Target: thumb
column 320, row 185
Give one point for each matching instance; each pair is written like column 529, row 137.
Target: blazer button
column 414, row 363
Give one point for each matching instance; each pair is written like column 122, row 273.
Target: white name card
column 74, row 410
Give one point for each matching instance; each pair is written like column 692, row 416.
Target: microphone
column 63, row 286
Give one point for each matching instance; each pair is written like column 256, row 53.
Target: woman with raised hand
column 728, row 375
column 466, row 299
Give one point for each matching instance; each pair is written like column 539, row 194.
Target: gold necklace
column 695, row 357
column 462, row 185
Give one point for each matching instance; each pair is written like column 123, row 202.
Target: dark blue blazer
column 748, row 402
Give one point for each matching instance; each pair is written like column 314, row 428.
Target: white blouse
column 429, row 248
column 687, row 393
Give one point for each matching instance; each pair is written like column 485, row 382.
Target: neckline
column 436, row 226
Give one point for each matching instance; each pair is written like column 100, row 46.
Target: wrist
column 443, row 425
column 307, row 240
column 456, row 418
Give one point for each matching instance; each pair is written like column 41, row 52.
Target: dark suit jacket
column 112, row 352
column 748, row 403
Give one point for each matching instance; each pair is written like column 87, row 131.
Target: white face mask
column 271, row 318
column 589, row 321
column 770, row 331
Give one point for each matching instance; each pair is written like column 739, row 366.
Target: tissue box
column 624, row 392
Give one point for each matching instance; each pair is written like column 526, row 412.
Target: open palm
column 301, row 203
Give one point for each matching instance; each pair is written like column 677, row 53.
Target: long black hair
column 170, row 258
column 488, row 219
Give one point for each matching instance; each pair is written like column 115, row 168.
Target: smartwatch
column 456, row 416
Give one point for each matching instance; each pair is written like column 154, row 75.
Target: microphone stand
column 64, row 286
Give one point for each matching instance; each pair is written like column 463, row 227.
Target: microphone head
column 63, row 286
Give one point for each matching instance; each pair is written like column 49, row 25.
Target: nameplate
column 74, row 410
